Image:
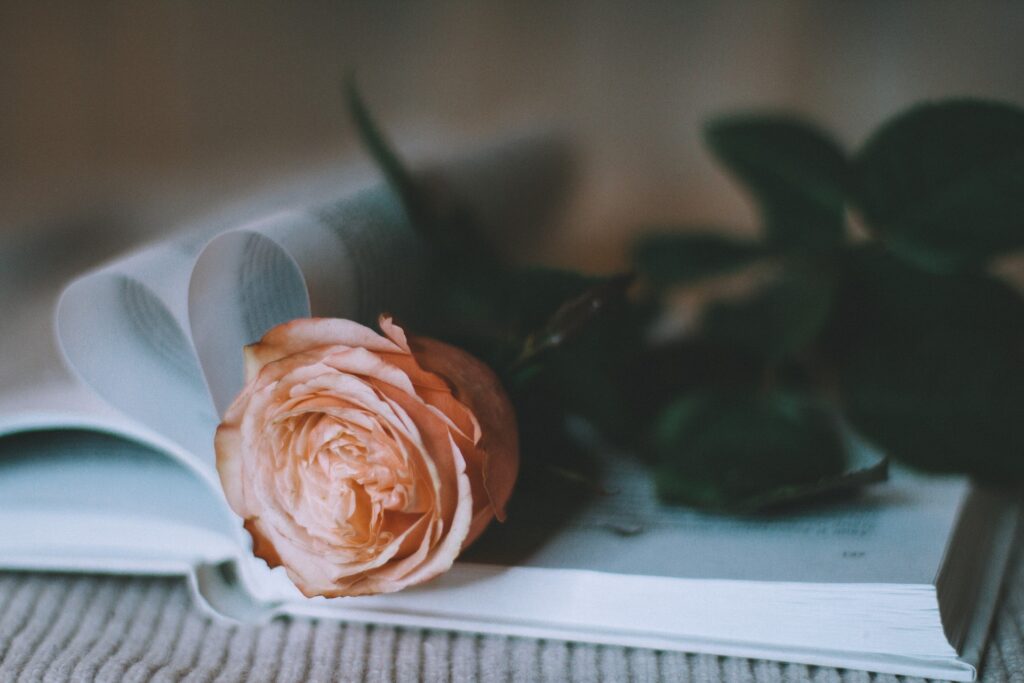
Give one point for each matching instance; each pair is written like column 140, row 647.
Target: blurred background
column 121, row 122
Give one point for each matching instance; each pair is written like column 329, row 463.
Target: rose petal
column 363, row 362
column 479, row 389
column 308, row 333
column 227, row 444
column 442, row 557
column 393, row 332
column 364, row 463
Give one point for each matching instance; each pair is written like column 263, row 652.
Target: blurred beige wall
column 152, row 111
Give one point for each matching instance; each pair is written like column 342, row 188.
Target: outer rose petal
column 331, row 407
column 478, row 388
column 305, row 334
column 393, row 332
column 261, row 545
column 228, row 445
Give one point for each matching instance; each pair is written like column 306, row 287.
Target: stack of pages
column 113, row 471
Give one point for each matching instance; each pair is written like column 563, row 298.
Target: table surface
column 102, row 628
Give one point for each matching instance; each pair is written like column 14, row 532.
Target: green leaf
column 779, row 320
column 660, row 373
column 733, row 451
column 532, row 294
column 574, row 315
column 931, row 367
column 383, row 152
column 671, row 259
column 853, row 478
column 943, row 184
column 448, row 225
column 586, row 378
column 796, row 172
column 579, row 353
column 493, row 314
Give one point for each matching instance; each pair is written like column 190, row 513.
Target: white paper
column 894, row 532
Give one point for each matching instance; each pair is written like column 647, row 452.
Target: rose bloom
column 364, row 463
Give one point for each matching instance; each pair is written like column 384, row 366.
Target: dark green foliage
column 796, row 172
column 573, row 316
column 904, row 338
column 931, row 367
column 380, row 148
column 447, row 227
column 737, row 451
column 924, row 352
column 943, row 184
column 672, row 259
column 778, row 321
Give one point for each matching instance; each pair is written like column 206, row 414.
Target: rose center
column 352, row 485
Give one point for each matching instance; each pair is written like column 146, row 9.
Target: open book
column 114, row 471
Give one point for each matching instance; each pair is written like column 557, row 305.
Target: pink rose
column 365, row 463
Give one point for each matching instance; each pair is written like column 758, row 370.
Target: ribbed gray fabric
column 93, row 628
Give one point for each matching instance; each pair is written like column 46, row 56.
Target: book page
column 348, row 258
column 158, row 334
column 76, row 497
column 124, row 327
column 86, row 488
column 123, row 330
column 895, row 532
column 356, row 256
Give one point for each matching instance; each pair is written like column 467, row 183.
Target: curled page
column 86, row 489
column 343, row 259
column 353, row 257
column 158, row 334
column 123, row 330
